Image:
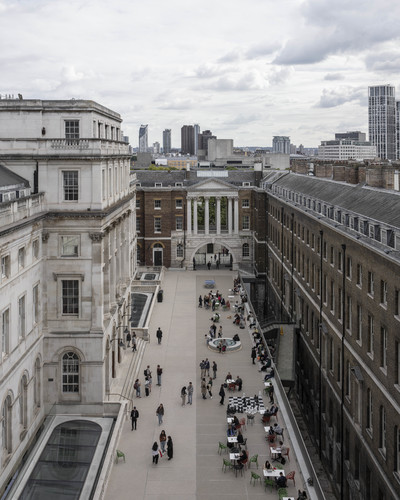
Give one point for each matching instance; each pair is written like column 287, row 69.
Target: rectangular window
column 157, row 224
column 69, row 246
column 340, row 261
column 179, row 251
column 138, row 224
column 246, row 222
column 157, row 204
column 382, row 437
column 349, row 314
column 245, row 203
column 397, row 365
column 179, row 203
column 340, row 308
column 70, row 296
column 179, row 223
column 331, row 354
column 384, row 293
column 359, row 275
column 370, row 333
column 324, row 250
column 137, row 203
column 5, row 266
column 383, row 347
column 349, row 268
column 21, row 317
column 370, row 282
column 21, row 258
column 359, row 324
column 72, row 129
column 70, row 185
column 339, row 366
column 35, row 249
column 332, row 297
column 5, row 331
column 369, row 411
column 397, row 303
column 35, row 303
column 332, row 256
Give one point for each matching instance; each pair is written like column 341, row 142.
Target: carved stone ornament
column 45, row 237
column 96, row 237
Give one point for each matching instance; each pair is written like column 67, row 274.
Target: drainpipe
column 342, row 375
column 292, row 269
column 282, row 258
column 320, row 343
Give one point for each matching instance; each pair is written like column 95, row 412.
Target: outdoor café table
column 273, row 472
column 288, row 498
column 234, row 456
column 267, row 384
column 275, row 452
column 229, row 420
column 267, row 428
column 232, row 439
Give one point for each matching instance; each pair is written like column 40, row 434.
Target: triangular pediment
column 212, row 185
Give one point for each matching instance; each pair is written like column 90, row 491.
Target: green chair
column 269, row 482
column 221, row 447
column 120, row 454
column 282, row 492
column 279, row 466
column 226, row 464
column 254, row 460
column 255, row 477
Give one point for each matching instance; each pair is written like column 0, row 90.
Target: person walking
column 159, row 373
column 155, row 451
column 202, row 369
column 203, row 388
column 170, row 448
column 253, row 355
column 134, row 417
column 214, row 368
column 209, row 387
column 207, row 368
column 159, row 335
column 200, row 301
column 136, row 386
column 160, row 413
column 128, row 339
column 190, row 392
column 222, row 394
column 220, row 332
column 183, row 395
column 134, row 342
column 163, row 441
column 239, row 383
column 146, row 387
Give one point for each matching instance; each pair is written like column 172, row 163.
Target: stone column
column 106, row 271
column 236, row 216
column 230, row 215
column 195, row 216
column 189, row 215
column 218, row 216
column 207, row 216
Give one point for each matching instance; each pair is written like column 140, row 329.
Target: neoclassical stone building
column 67, row 250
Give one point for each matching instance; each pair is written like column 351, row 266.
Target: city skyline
column 298, row 69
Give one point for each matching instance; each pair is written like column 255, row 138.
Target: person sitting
column 236, row 319
column 243, row 458
column 267, row 465
column 228, row 304
column 269, row 375
column 283, row 448
column 236, row 423
column 278, row 430
column 236, row 338
column 281, row 481
column 302, row 495
column 229, row 376
column 231, row 431
column 266, row 365
column 240, row 438
column 222, row 301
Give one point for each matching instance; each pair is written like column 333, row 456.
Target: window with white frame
column 70, row 297
column 349, row 313
column 23, row 402
column 138, row 221
column 179, row 223
column 382, row 430
column 21, row 258
column 178, row 203
column 349, row 268
column 5, row 331
column 370, row 282
column 72, row 129
column 70, row 185
column 70, row 246
column 246, row 203
column 35, row 304
column 370, row 334
column 5, row 266
column 369, row 423
column 179, row 251
column 348, row 380
column 157, row 204
column 22, row 317
column 384, row 292
column 70, row 373
column 359, row 324
column 384, row 340
column 359, row 275
column 157, row 224
column 246, row 222
column 245, row 250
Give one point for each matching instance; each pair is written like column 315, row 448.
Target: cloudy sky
column 247, row 70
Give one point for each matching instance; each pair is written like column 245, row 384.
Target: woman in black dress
column 170, row 448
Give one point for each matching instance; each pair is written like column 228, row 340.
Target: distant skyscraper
column 143, row 139
column 398, row 129
column 166, row 136
column 281, row 144
column 156, row 148
column 196, row 137
column 382, row 120
column 187, row 140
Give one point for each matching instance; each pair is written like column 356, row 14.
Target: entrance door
column 158, row 257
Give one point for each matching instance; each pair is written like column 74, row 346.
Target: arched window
column 37, row 385
column 245, row 250
column 6, row 426
column 23, row 402
column 70, row 373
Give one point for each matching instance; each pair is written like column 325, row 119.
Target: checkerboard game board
column 243, row 405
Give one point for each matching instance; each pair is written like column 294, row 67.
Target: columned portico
column 218, row 215
column 209, row 218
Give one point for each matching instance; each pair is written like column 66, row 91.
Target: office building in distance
column 382, row 120
column 167, row 141
column 143, row 139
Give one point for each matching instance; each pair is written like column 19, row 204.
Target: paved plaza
column 195, row 472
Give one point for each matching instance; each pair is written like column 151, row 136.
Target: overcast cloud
column 247, row 72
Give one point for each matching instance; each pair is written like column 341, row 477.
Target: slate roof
column 374, row 203
column 9, row 179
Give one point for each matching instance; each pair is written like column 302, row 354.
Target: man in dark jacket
column 222, row 394
column 134, row 417
column 159, row 335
